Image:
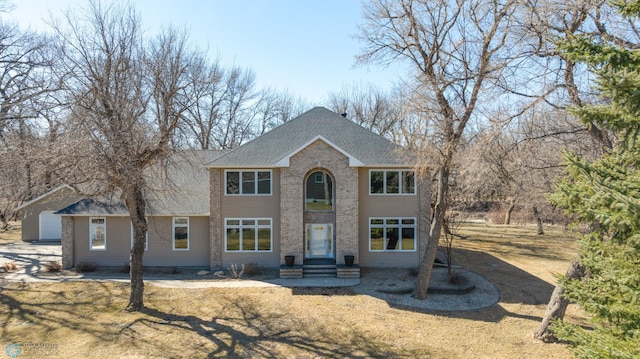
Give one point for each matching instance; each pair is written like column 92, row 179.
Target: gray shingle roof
column 182, row 185
column 364, row 147
column 95, row 208
column 179, row 187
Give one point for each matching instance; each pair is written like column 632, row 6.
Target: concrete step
column 319, row 266
column 319, row 271
column 319, row 275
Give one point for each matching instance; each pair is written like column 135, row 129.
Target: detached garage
column 39, row 221
column 50, row 226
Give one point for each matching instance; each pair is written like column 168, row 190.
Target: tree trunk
column 137, row 206
column 538, row 216
column 507, row 215
column 5, row 223
column 557, row 304
column 426, row 266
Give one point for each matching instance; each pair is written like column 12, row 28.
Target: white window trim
column 384, row 183
column 333, row 198
column 146, row 238
column 256, row 227
column 400, row 227
column 173, row 234
column 256, row 185
column 91, row 226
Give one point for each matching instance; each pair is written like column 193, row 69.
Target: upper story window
column 392, row 182
column 97, row 233
column 248, row 182
column 319, row 192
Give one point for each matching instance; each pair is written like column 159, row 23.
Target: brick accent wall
column 67, row 242
column 216, row 240
column 319, row 156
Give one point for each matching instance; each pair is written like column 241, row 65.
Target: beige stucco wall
column 118, row 242
column 160, row 234
column 31, row 214
column 391, row 206
column 251, row 206
column 319, row 156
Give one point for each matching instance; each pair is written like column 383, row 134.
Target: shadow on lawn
column 22, row 305
column 32, row 256
column 242, row 328
column 515, row 285
column 327, row 291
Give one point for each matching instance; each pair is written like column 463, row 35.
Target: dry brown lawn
column 12, row 234
column 86, row 319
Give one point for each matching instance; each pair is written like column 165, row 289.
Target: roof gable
column 44, row 196
column 363, row 147
column 353, row 162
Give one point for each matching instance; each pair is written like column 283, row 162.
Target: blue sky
column 303, row 46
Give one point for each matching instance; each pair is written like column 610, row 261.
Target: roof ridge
column 277, row 128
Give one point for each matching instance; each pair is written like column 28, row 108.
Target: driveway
column 30, row 257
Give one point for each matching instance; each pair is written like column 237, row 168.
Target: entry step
column 319, row 271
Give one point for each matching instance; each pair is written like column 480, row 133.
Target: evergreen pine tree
column 605, row 193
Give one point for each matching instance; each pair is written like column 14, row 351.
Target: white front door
column 319, row 240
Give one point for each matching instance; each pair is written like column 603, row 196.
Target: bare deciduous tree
column 457, row 49
column 27, row 84
column 369, row 107
column 228, row 109
column 126, row 96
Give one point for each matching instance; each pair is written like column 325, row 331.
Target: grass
column 12, row 234
column 86, row 319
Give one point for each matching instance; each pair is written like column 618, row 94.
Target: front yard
column 85, row 319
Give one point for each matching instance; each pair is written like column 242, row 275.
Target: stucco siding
column 118, row 242
column 54, row 202
column 160, row 252
column 385, row 206
column 243, row 206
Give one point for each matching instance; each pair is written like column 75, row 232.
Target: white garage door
column 50, row 226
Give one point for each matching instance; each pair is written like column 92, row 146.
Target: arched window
column 319, row 192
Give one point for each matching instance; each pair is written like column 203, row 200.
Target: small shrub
column 495, row 215
column 234, row 271
column 10, row 267
column 253, row 269
column 86, row 266
column 53, row 267
column 126, row 268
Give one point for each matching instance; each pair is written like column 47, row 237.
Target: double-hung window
column 392, row 234
column 98, row 233
column 248, row 182
column 180, row 233
column 248, row 235
column 392, row 182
